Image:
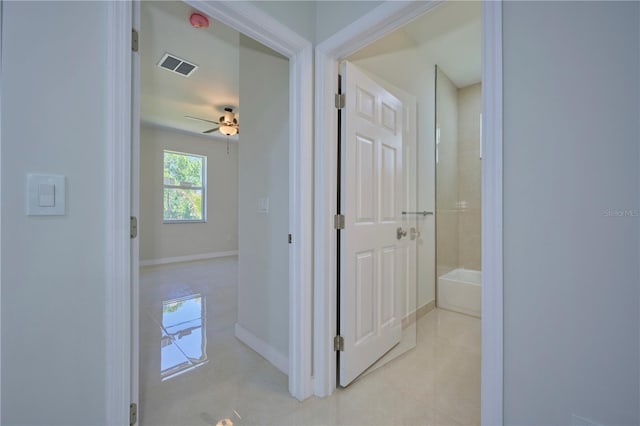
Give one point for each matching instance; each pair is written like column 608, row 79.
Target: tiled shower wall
column 458, row 175
column 446, row 174
column 469, row 177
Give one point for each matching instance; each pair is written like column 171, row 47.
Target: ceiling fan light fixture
column 228, row 130
column 227, row 123
column 228, row 116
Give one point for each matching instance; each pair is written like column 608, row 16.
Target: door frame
column 251, row 21
column 381, row 21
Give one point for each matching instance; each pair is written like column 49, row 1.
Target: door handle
column 414, row 233
column 400, row 233
column 423, row 213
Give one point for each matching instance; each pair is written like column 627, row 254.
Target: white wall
column 416, row 76
column 316, row 20
column 53, row 268
column 297, row 15
column 571, row 277
column 263, row 261
column 332, row 16
column 160, row 240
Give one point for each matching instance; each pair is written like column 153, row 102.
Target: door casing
column 386, row 18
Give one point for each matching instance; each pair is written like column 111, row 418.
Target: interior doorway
column 347, row 43
column 214, row 218
column 433, row 138
column 293, row 55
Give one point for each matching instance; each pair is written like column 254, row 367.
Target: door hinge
column 290, row 239
column 133, row 413
column 133, row 227
column 134, row 40
column 338, row 343
column 341, row 100
column 338, row 221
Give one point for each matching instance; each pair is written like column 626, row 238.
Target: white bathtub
column 459, row 290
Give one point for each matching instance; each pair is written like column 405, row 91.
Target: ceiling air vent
column 177, row 65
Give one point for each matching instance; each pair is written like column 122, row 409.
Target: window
column 184, row 188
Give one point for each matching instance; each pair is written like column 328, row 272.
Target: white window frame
column 202, row 188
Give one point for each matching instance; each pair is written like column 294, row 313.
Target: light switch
column 263, row 205
column 45, row 195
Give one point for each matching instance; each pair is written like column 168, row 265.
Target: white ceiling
column 448, row 36
column 167, row 97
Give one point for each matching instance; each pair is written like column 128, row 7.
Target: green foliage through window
column 184, row 176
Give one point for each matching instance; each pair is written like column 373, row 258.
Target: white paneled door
column 375, row 243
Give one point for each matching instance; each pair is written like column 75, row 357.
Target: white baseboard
column 416, row 314
column 426, row 308
column 189, row 258
column 265, row 350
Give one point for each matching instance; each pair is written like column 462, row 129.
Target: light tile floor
column 437, row 383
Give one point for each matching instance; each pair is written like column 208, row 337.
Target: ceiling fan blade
column 211, row 130
column 201, row 119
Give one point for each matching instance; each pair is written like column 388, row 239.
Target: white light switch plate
column 263, row 205
column 46, row 195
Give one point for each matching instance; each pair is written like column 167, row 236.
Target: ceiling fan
column 227, row 123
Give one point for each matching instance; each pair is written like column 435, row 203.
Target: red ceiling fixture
column 198, row 20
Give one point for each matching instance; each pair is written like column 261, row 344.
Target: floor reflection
column 436, row 383
column 183, row 342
